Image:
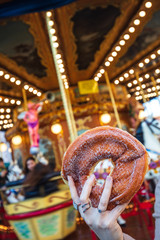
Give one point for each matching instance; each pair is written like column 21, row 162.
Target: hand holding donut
column 102, row 222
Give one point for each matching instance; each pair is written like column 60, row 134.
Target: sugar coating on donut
column 127, row 153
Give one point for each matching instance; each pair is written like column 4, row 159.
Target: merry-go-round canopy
column 120, row 37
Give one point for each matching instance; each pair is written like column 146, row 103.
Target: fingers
column 116, row 212
column 86, row 191
column 73, row 190
column 105, row 195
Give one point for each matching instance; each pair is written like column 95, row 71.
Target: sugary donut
column 127, row 153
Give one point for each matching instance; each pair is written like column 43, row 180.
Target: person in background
column 35, row 184
column 100, row 220
column 3, row 172
column 30, row 163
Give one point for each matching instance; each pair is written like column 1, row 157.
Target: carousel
column 65, row 68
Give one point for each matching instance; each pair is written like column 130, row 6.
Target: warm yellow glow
column 136, row 21
column 6, row 100
column 55, row 44
column 1, row 73
column 99, row 75
column 128, row 95
column 142, row 13
column 131, row 29
column 141, row 79
column 146, row 60
column 0, row 99
column 157, row 71
column 49, row 14
column 153, row 56
column 114, row 54
column 102, row 71
column 147, row 75
column 51, row 23
column 35, row 91
column 39, row 94
column 110, row 58
column 141, row 115
column 58, row 56
column 131, row 71
column 135, row 82
column 138, row 88
column 121, row 78
column 148, row 4
column 158, row 51
column 12, row 101
column 18, row 102
column 122, row 42
column 3, row 147
column 118, row 48
column 96, row 78
column 52, row 31
column 30, row 89
column 18, row 82
column 126, row 36
column 6, row 76
column 12, row 79
column 107, row 64
column 126, row 75
column 26, row 87
column 116, row 81
column 129, row 84
column 105, row 118
column 56, row 128
column 141, row 64
column 17, row 140
column 143, row 85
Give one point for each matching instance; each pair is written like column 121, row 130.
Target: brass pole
column 140, row 85
column 24, row 99
column 66, row 100
column 113, row 100
column 154, row 84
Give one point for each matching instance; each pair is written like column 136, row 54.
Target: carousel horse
column 147, row 133
column 15, row 173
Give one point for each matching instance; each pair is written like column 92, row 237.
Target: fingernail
column 109, row 178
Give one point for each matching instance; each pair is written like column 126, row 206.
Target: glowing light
column 56, row 128
column 136, row 22
column 126, row 75
column 131, row 29
column 12, row 79
column 96, row 79
column 17, row 140
column 1, row 73
column 26, row 87
column 146, row 60
column 6, row 100
column 117, row 48
column 54, row 38
column 153, row 56
column 51, row 23
column 105, row 118
column 141, row 64
column 18, row 102
column 55, row 44
column 49, row 14
column 126, row 36
column 148, row 4
column 141, row 79
column 116, row 81
column 52, row 31
column 147, row 76
column 30, row 89
column 39, row 94
column 110, row 58
column 99, row 75
column 102, row 71
column 58, row 56
column 3, row 147
column 142, row 13
column 114, row 54
column 107, row 64
column 12, row 101
column 131, row 71
column 121, row 78
column 158, row 51
column 122, row 42
column 6, row 76
column 18, row 82
column 129, row 84
column 135, row 82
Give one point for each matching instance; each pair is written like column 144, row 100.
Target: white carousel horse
column 147, row 133
column 14, row 172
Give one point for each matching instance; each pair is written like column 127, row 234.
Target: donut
column 129, row 156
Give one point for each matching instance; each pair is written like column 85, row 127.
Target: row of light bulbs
column 149, row 95
column 18, row 82
column 5, row 121
column 130, row 73
column 56, row 45
column 148, row 85
column 6, row 126
column 12, row 101
column 123, row 40
column 3, row 110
